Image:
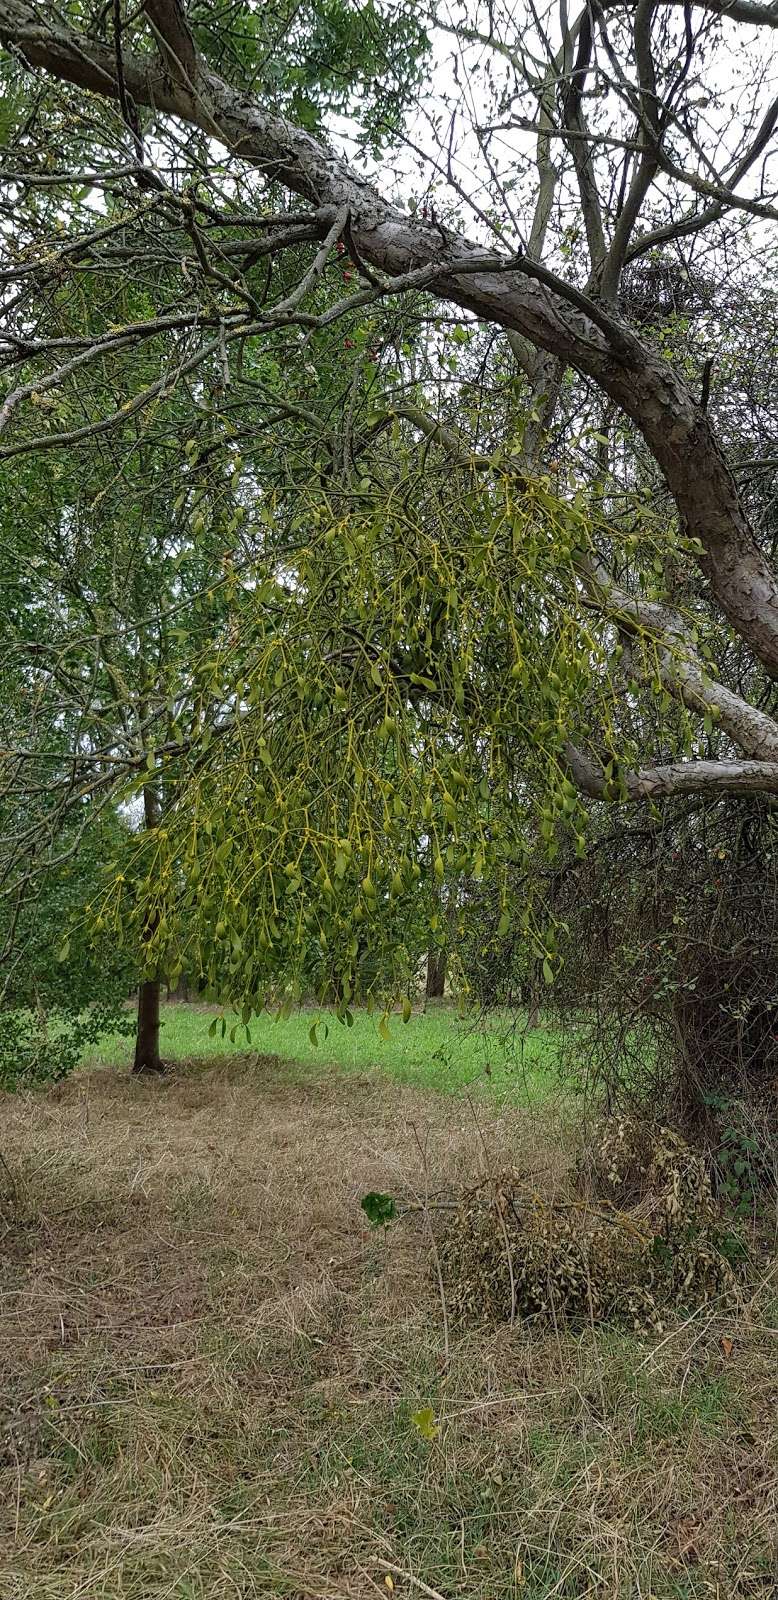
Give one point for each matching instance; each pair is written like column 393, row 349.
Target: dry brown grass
column 210, row 1369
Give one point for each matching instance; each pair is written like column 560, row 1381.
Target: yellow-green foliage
column 384, row 709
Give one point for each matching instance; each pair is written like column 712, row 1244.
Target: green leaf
column 306, row 112
column 380, row 1209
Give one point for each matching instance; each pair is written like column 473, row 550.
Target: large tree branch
column 574, row 122
column 648, row 106
column 168, row 19
column 662, row 635
column 673, row 777
column 523, row 298
column 758, row 16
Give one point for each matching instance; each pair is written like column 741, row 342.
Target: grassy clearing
column 435, row 1050
column 211, row 1369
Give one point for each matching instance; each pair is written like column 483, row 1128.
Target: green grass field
column 434, row 1050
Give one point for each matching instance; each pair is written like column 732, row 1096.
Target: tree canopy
column 401, row 507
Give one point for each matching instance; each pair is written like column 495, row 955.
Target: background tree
column 64, row 983
column 101, row 559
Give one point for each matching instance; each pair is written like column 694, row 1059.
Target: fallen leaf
column 727, row 1346
column 424, row 1420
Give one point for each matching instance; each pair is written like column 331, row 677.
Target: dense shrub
column 637, row 1236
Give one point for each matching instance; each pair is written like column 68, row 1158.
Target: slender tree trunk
column 147, row 1057
column 436, row 973
column 437, row 955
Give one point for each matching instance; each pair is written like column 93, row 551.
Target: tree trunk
column 147, row 1057
column 438, row 954
column 436, row 973
column 726, row 1046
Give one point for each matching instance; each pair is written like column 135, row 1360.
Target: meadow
column 218, row 1381
column 436, row 1049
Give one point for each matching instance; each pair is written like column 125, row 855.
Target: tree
column 614, row 168
column 653, row 138
column 64, row 986
column 98, row 564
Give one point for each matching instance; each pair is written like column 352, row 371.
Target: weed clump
column 636, row 1238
